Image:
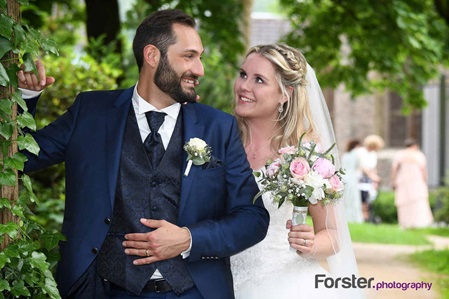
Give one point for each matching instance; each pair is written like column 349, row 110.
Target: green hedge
column 441, row 203
column 384, row 210
column 383, row 207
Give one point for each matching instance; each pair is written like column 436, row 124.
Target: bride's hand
column 301, row 237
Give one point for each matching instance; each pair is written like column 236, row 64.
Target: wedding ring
column 305, row 242
column 146, row 252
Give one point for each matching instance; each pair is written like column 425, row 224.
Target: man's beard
column 169, row 82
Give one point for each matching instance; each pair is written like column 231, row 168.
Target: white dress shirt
column 168, row 126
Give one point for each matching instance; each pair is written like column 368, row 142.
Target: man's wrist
column 185, row 254
column 29, row 94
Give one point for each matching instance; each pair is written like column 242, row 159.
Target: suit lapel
column 192, row 129
column 115, row 127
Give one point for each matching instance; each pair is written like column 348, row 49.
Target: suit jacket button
column 94, row 250
column 107, row 221
column 153, row 184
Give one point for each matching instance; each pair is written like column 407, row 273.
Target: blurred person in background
column 350, row 162
column 369, row 182
column 409, row 181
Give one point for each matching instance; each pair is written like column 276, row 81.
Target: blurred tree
column 442, row 7
column 97, row 28
column 402, row 42
column 223, row 37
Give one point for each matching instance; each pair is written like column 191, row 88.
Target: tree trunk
column 103, row 19
column 246, row 24
column 11, row 193
column 442, row 7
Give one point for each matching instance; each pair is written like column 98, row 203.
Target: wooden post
column 11, row 193
column 246, row 24
column 443, row 130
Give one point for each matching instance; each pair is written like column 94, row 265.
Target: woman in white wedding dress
column 278, row 99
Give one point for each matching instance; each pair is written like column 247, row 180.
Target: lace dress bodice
column 270, row 269
column 271, row 255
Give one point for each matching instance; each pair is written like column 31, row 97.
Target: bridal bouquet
column 302, row 175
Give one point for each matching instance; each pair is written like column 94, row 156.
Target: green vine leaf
column 12, row 251
column 10, row 228
column 51, row 240
column 6, row 23
column 5, row 46
column 6, row 106
column 49, row 45
column 17, row 98
column 25, row 119
column 4, row 78
column 5, row 203
column 7, row 129
column 27, row 182
column 50, row 287
column 12, row 75
column 17, row 210
column 17, row 161
column 4, row 285
column 20, row 38
column 28, row 63
column 28, row 143
column 8, row 177
column 39, row 260
column 27, row 197
column 18, row 289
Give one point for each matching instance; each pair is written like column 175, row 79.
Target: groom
column 136, row 221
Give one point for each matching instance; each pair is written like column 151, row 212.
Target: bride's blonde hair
column 296, row 116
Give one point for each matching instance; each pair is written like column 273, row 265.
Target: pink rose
column 336, row 183
column 273, row 168
column 299, row 168
column 288, row 150
column 324, row 167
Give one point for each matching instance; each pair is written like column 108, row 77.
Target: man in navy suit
column 142, row 226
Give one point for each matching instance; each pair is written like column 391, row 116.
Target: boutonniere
column 198, row 153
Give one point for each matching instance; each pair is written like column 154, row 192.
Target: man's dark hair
column 157, row 29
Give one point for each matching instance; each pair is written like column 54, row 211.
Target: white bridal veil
column 343, row 262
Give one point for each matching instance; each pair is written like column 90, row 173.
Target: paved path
column 386, row 263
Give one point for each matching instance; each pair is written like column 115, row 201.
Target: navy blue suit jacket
column 215, row 204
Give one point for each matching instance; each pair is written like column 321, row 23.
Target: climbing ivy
column 28, row 251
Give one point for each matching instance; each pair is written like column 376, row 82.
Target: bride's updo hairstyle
column 296, row 117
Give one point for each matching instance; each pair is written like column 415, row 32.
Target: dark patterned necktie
column 153, row 143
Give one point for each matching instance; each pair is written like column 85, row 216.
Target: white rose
column 197, row 143
column 317, row 182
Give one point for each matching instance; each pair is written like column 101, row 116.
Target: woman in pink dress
column 409, row 179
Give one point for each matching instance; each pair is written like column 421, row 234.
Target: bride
column 278, row 98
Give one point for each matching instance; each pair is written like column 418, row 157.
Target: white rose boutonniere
column 198, row 153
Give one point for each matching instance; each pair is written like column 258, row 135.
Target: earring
column 281, row 108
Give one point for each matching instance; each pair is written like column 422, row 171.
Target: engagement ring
column 146, row 252
column 305, row 242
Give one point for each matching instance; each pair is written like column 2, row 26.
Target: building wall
column 267, row 28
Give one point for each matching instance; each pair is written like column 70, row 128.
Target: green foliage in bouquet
column 303, row 175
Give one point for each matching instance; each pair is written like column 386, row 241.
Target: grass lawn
column 435, row 261
column 390, row 234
